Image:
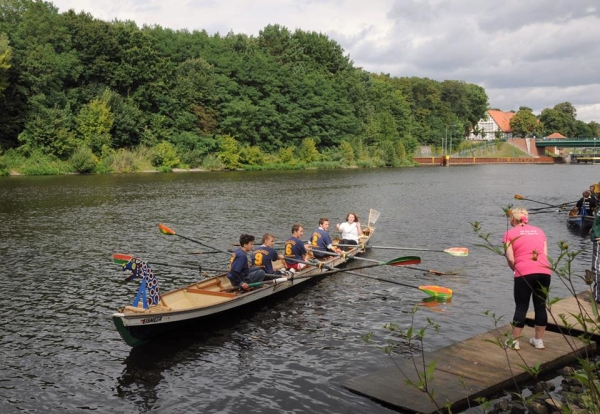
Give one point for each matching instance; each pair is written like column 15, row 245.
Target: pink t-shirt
column 528, row 247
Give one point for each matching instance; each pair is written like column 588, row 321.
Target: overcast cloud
column 524, row 53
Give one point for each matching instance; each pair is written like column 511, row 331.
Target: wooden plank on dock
column 561, row 316
column 475, row 367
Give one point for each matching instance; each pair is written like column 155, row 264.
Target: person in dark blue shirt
column 294, row 248
column 321, row 240
column 586, row 204
column 240, row 274
column 265, row 255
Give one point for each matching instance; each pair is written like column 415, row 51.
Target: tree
column 308, row 151
column 594, row 128
column 583, row 130
column 557, row 121
column 523, row 123
column 5, row 56
column 94, row 122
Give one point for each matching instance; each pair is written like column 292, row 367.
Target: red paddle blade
column 404, row 261
column 120, row 259
column 165, row 230
column 437, row 291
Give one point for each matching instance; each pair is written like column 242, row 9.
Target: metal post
column 444, row 147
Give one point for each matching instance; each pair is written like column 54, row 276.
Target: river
column 61, row 353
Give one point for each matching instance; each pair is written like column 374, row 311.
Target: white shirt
column 349, row 231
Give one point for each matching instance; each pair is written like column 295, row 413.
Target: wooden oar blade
column 437, row 291
column 457, row 251
column 519, row 197
column 121, row 259
column 404, row 261
column 166, row 230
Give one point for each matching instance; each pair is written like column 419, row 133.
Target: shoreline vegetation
column 144, row 161
column 83, row 95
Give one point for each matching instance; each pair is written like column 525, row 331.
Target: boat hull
column 213, row 299
column 137, row 331
column 580, row 223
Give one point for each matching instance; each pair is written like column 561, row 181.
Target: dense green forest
column 81, row 94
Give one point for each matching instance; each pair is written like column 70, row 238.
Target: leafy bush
column 42, row 164
column 326, row 165
column 83, row 160
column 286, row 155
column 164, row 155
column 193, row 158
column 308, row 150
column 229, row 152
column 125, row 161
column 347, row 152
column 252, row 156
column 212, row 162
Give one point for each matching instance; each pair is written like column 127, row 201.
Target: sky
column 535, row 53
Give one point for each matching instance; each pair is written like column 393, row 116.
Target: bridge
column 568, row 142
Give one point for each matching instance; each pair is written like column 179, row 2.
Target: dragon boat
column 153, row 314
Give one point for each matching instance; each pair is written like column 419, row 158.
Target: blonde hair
column 519, row 214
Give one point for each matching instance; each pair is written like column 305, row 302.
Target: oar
column 170, row 232
column 400, row 261
column 205, row 252
column 520, row 197
column 562, row 206
column 120, row 258
column 434, row 291
column 433, row 272
column 452, row 251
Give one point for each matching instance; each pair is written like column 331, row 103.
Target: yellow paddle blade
column 519, row 197
column 166, row 230
column 437, row 291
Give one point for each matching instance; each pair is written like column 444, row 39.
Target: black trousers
column 525, row 288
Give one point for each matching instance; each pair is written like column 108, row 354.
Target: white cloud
column 534, row 54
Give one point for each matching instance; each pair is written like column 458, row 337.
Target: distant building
column 488, row 127
column 556, row 150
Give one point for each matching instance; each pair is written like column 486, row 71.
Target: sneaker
column 538, row 343
column 512, row 344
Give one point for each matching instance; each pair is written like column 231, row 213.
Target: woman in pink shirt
column 527, row 255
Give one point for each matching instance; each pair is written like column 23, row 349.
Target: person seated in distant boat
column 295, row 249
column 350, row 229
column 240, row 274
column 266, row 254
column 593, row 193
column 321, row 240
column 586, row 204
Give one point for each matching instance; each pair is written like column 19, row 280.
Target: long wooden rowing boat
column 214, row 298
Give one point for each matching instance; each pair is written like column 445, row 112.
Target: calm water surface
column 61, row 353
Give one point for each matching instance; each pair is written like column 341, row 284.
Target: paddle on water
column 120, row 259
column 170, row 232
column 452, row 251
column 434, row 291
